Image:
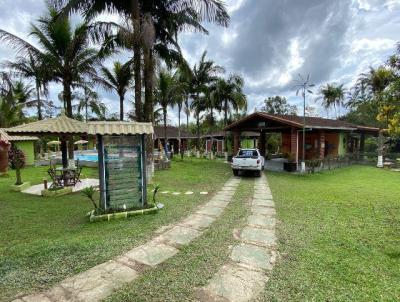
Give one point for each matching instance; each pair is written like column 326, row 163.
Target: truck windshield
column 247, row 153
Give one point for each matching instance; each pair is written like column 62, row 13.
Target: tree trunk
column 179, row 130
column 165, row 129
column 67, row 95
column 225, row 112
column 137, row 60
column 86, row 109
column 39, row 103
column 187, row 122
column 121, row 107
column 198, row 130
column 18, row 175
column 148, row 83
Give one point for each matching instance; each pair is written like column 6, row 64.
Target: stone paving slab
column 218, row 203
column 34, row 298
column 210, row 211
column 263, row 210
column 98, row 282
column 236, row 284
column 263, row 203
column 263, row 237
column 60, row 294
column 261, row 221
column 253, row 256
column 179, row 235
column 198, row 222
column 152, row 253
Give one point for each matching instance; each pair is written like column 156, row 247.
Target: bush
column 16, row 159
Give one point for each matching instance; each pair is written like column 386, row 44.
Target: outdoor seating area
column 64, row 177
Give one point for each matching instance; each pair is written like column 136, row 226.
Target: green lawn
column 178, row 278
column 339, row 236
column 44, row 240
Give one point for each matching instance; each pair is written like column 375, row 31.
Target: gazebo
column 121, row 154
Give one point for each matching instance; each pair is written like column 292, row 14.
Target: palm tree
column 205, row 73
column 13, row 96
column 36, row 70
column 166, row 93
column 118, row 79
column 156, row 24
column 89, row 99
column 375, row 82
column 332, row 95
column 230, row 94
column 65, row 51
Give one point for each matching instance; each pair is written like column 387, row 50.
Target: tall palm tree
column 375, row 81
column 89, row 99
column 332, row 95
column 118, row 79
column 205, row 73
column 64, row 49
column 230, row 93
column 166, row 94
column 35, row 70
column 163, row 18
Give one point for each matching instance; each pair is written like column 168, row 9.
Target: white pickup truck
column 248, row 160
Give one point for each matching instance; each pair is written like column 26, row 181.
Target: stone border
column 121, row 215
column 243, row 277
column 102, row 280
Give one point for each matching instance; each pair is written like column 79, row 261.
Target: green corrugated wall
column 28, row 148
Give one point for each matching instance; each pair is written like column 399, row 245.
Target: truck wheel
column 235, row 172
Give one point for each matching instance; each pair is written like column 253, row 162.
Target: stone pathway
column 244, row 276
column 84, row 183
column 102, row 280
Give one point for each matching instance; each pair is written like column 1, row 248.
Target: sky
column 268, row 43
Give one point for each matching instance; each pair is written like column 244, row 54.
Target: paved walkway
column 244, row 276
column 102, row 280
column 84, row 183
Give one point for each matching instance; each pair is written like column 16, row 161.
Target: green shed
column 25, row 143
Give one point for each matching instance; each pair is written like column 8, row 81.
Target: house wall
column 313, row 144
column 343, row 137
column 28, row 148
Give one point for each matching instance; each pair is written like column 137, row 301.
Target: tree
column 166, row 92
column 164, row 18
column 16, row 159
column 37, row 71
column 230, row 94
column 65, row 51
column 118, row 79
column 205, row 73
column 332, row 95
column 89, row 99
column 278, row 105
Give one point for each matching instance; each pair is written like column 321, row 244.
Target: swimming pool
column 87, row 157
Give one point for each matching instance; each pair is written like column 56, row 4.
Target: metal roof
column 297, row 122
column 119, row 128
column 58, row 125
column 4, row 136
column 66, row 125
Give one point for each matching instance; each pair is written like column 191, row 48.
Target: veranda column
column 236, row 142
column 294, row 145
column 322, row 145
column 261, row 143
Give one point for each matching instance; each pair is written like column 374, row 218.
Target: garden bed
column 152, row 209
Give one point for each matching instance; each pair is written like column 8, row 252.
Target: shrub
column 16, row 159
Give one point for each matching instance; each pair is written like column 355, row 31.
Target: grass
column 44, row 240
column 178, row 278
column 339, row 236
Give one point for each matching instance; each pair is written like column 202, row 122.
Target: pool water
column 87, row 157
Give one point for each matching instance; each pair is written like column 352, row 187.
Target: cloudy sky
column 270, row 42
